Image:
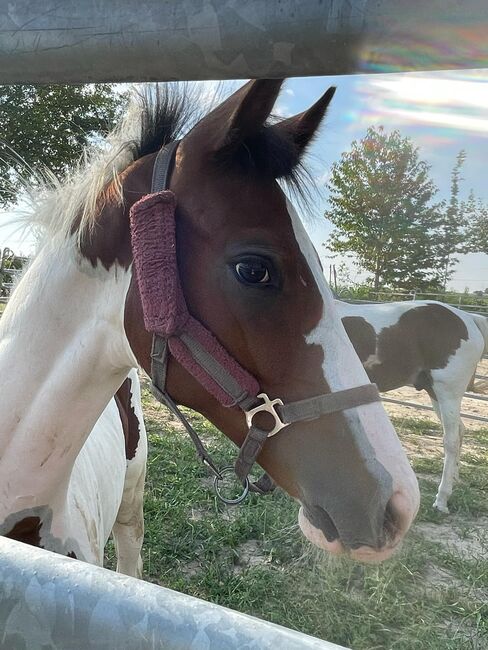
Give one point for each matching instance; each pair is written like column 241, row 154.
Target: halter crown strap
column 162, row 165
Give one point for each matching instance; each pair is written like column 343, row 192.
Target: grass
column 253, row 558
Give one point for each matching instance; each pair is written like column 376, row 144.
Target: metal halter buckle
column 217, row 480
column 267, row 407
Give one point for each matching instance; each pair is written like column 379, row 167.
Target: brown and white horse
column 429, row 345
column 74, row 330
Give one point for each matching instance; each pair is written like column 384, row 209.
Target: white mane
column 59, row 203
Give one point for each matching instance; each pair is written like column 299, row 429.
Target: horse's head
column 250, row 274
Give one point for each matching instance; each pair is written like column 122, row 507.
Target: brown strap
column 249, row 451
column 264, row 485
column 314, row 407
column 307, row 409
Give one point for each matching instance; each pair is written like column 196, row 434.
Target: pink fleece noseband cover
column 153, row 232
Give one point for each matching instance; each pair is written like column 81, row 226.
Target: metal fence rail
column 48, row 601
column 425, row 407
column 143, row 40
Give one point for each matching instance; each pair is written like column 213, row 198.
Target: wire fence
column 426, row 407
column 477, row 303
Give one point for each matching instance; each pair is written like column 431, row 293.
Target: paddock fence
column 80, row 42
column 478, row 301
column 49, row 601
column 425, row 407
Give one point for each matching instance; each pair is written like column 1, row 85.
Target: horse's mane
column 155, row 116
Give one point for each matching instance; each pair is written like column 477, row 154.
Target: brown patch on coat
column 362, row 335
column 109, row 241
column 423, row 339
column 128, row 418
column 27, row 530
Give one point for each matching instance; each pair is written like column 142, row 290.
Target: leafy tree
column 49, row 126
column 476, row 225
column 8, row 262
column 381, row 204
column 452, row 233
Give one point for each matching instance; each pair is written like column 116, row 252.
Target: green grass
column 253, row 557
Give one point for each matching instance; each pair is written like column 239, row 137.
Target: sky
column 443, row 112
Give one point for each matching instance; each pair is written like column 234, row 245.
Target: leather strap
column 315, row 407
column 162, row 165
column 307, row 409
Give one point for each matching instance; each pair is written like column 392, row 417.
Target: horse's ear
column 241, row 115
column 301, row 128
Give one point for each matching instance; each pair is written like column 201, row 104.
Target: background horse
column 429, row 345
column 75, row 327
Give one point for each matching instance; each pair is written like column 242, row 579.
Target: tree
column 49, row 126
column 381, row 204
column 476, row 226
column 10, row 265
column 452, row 233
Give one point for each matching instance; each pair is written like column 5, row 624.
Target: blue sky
column 442, row 112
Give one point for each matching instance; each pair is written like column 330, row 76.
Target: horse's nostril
column 319, row 518
column 394, row 521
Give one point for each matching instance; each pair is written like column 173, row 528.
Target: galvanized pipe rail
column 48, row 601
column 425, row 407
column 151, row 40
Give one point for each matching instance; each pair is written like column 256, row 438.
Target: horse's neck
column 63, row 354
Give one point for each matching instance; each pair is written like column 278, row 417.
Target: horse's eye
column 252, row 271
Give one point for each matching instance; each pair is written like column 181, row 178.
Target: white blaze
column 342, row 369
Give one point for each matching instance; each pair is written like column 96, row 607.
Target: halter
column 176, row 332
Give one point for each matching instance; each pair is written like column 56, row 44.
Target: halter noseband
column 176, row 332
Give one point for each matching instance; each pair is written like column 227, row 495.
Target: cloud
column 282, row 110
column 322, row 179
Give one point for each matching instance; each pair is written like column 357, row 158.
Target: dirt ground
column 470, row 406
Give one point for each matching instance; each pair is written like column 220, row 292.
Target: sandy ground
column 470, row 406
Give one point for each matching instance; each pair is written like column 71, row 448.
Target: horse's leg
column 128, row 530
column 462, row 429
column 449, row 407
column 435, row 404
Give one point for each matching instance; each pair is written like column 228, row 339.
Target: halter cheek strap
column 176, row 332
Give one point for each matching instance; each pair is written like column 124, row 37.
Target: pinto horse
column 72, row 458
column 429, row 345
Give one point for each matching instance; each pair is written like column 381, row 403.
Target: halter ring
column 217, row 480
column 268, row 406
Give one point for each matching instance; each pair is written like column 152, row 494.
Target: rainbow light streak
column 442, row 105
column 453, row 46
